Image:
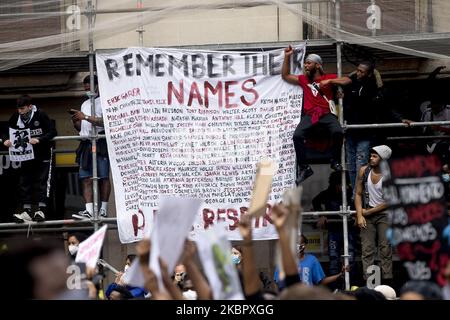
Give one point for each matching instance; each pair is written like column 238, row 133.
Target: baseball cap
column 387, row 291
column 383, row 151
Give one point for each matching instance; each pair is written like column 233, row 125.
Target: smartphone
column 71, row 112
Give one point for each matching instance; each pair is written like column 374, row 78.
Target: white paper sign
column 89, row 249
column 173, row 223
column 21, row 148
column 195, row 124
column 134, row 276
column 215, row 255
column 155, row 254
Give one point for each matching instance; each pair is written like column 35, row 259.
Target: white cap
column 383, row 151
column 387, row 291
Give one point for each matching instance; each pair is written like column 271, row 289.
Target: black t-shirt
column 360, row 100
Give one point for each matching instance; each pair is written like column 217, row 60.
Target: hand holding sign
column 262, row 187
column 245, row 227
column 292, row 199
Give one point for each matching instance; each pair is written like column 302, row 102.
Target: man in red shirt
column 316, row 86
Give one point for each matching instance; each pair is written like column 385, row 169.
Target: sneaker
column 39, row 215
column 303, row 174
column 24, row 216
column 85, row 214
column 336, row 166
column 103, row 213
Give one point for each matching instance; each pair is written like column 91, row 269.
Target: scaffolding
column 93, row 223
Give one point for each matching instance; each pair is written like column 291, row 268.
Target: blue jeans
column 357, row 156
column 102, row 169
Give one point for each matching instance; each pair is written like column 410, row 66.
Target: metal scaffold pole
column 92, row 96
column 140, row 30
column 344, row 207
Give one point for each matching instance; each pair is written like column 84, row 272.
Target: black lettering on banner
column 257, row 64
column 297, row 60
column 146, row 63
column 247, row 64
column 198, row 67
column 179, row 63
column 128, row 65
column 275, row 67
column 212, row 66
column 227, row 62
column 159, row 65
column 111, row 68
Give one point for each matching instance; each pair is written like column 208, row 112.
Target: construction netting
column 32, row 30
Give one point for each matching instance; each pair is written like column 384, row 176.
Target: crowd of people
column 300, row 275
column 40, row 270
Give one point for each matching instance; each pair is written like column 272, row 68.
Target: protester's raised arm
column 199, row 282
column 250, row 274
column 279, row 218
column 285, row 70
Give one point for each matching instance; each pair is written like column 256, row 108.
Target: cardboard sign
column 418, row 215
column 89, row 249
column 262, row 187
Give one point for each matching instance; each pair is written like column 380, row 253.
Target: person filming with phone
column 83, row 121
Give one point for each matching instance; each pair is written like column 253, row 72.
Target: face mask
column 73, row 249
column 179, row 276
column 300, row 248
column 446, row 177
column 235, row 259
column 26, row 116
column 88, row 94
column 126, row 268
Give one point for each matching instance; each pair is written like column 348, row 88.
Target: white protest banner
column 21, row 148
column 195, row 124
column 215, row 254
column 89, row 249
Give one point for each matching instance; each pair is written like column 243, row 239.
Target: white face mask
column 73, row 249
column 88, row 94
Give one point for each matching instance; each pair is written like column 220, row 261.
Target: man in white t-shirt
column 371, row 214
column 83, row 122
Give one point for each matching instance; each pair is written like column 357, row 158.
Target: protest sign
column 262, row 187
column 215, row 254
column 89, row 249
column 172, row 225
column 418, row 215
column 21, row 148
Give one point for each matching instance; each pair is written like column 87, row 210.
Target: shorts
column 102, row 169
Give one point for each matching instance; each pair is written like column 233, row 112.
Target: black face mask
column 26, row 116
